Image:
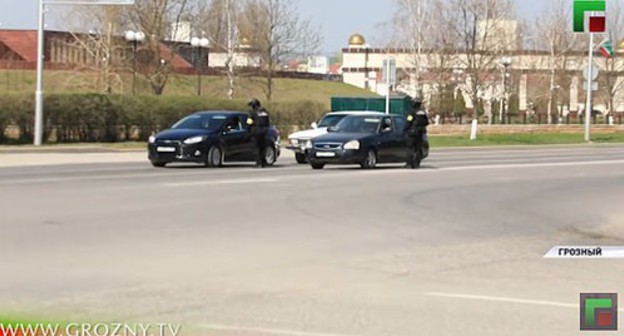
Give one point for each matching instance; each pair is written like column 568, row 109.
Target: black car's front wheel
column 214, row 158
column 370, row 161
column 317, row 165
column 158, row 164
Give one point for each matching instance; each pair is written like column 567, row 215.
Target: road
column 455, row 248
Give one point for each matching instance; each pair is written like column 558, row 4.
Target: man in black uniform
column 259, row 123
column 417, row 122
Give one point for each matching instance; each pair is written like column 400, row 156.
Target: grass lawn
column 522, row 139
column 23, row 81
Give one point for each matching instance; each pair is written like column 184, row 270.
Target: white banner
column 586, row 252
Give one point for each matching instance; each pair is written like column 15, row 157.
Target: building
column 362, row 67
column 67, row 50
column 318, row 65
column 502, row 35
column 181, row 32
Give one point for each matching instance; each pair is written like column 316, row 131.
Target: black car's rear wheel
column 158, row 164
column 317, row 165
column 370, row 161
column 270, row 156
column 301, row 158
column 214, row 158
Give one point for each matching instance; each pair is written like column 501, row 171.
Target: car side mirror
column 386, row 129
column 314, row 125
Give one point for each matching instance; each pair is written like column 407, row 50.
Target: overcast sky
column 338, row 19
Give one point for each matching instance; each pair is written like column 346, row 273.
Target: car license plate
column 166, row 149
column 325, row 154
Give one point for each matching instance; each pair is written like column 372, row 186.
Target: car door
column 400, row 152
column 246, row 149
column 386, row 144
column 233, row 139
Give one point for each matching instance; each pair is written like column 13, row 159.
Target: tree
column 219, row 21
column 158, row 19
column 411, row 26
column 479, row 26
column 553, row 34
column 102, row 47
column 277, row 32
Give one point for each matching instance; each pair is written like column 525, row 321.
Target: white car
column 299, row 142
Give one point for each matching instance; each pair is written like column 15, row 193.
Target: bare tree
column 554, row 35
column 219, row 21
column 277, row 32
column 101, row 46
column 156, row 19
column 480, row 26
column 411, row 21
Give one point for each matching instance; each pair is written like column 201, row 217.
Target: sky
column 337, row 19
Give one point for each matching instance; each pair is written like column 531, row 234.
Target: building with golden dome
column 529, row 73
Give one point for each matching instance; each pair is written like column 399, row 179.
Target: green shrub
column 112, row 118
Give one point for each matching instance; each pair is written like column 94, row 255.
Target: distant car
column 298, row 140
column 364, row 139
column 210, row 138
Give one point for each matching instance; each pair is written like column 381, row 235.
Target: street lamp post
column 199, row 44
column 134, row 38
column 506, row 63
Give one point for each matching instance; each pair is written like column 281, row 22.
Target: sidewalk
column 43, row 159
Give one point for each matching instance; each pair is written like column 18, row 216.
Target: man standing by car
column 259, row 123
column 417, row 122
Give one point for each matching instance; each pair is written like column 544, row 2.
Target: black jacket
column 259, row 121
column 417, row 121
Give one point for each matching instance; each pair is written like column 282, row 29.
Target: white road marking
column 507, row 300
column 219, row 182
column 535, row 165
column 217, row 327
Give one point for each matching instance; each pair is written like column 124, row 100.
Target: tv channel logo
column 599, row 312
column 590, row 16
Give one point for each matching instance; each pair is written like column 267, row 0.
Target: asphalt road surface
column 455, row 248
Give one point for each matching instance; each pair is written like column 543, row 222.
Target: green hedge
column 112, row 118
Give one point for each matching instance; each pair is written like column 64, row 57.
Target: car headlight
column 308, row 144
column 354, row 145
column 294, row 142
column 152, row 139
column 193, row 140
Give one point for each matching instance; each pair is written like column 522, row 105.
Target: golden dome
column 357, row 40
column 244, row 41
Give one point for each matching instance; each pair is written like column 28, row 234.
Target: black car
column 210, row 138
column 362, row 139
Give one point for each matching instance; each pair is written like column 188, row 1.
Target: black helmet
column 417, row 103
column 254, row 103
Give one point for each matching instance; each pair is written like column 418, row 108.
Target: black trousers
column 414, row 146
column 259, row 145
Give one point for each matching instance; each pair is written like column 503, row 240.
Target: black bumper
column 177, row 152
column 340, row 156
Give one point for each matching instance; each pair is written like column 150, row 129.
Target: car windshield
column 359, row 124
column 210, row 122
column 331, row 120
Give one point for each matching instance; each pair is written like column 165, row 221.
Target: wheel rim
column 269, row 156
column 215, row 157
column 371, row 160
